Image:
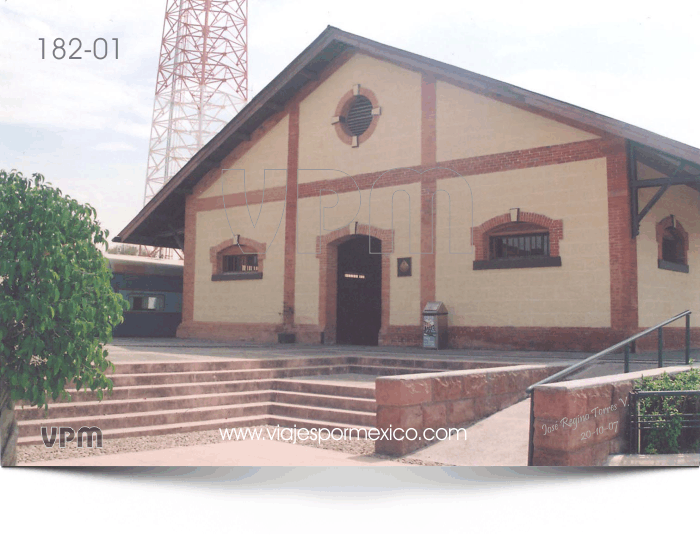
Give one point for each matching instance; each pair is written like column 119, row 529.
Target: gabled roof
column 161, row 221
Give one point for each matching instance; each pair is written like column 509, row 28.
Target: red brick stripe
column 290, row 221
column 527, row 158
column 188, row 269
column 428, row 207
column 624, row 312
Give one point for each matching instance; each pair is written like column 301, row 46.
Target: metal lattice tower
column 202, row 81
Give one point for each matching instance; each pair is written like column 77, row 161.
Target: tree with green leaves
column 57, row 306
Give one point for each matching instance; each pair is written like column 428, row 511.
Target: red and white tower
column 202, row 81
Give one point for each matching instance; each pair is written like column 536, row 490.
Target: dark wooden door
column 359, row 291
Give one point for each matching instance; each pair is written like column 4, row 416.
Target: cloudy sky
column 85, row 123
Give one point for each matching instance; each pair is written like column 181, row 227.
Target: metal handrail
column 639, row 423
column 581, row 364
column 614, row 347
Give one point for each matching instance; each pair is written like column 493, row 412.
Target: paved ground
column 227, row 454
column 150, row 349
column 499, row 440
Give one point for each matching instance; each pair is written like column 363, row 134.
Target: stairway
column 174, row 397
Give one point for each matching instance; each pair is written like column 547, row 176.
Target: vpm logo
column 67, row 434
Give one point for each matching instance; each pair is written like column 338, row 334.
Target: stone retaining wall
column 448, row 399
column 581, row 422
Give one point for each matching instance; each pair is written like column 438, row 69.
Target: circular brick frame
column 481, row 234
column 327, row 254
column 342, row 110
column 229, row 247
column 672, row 221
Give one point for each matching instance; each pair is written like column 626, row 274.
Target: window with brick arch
column 518, row 240
column 673, row 243
column 233, row 260
column 672, row 246
column 239, row 263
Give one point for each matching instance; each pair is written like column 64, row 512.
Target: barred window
column 521, row 245
column 240, row 263
column 672, row 246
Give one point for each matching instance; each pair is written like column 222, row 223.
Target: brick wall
column 570, row 413
column 448, row 399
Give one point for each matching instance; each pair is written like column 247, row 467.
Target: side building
column 153, row 289
column 365, row 181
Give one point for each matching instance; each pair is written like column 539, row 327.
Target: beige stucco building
column 366, row 181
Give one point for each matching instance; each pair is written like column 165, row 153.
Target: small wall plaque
column 403, row 266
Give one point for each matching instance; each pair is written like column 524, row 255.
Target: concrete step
column 428, row 363
column 160, row 378
column 146, row 418
column 325, row 388
column 325, row 401
column 178, row 389
column 362, row 418
column 184, row 389
column 224, row 364
column 173, row 397
column 112, row 407
column 375, row 370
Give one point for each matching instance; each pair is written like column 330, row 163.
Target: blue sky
column 85, row 124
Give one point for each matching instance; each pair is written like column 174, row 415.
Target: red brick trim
column 479, row 165
column 481, row 234
column 241, row 199
column 624, row 311
column 581, row 339
column 406, row 335
column 327, row 253
column 674, row 338
column 189, row 250
column 290, row 221
column 307, row 333
column 672, row 221
column 428, row 240
column 428, row 130
column 229, row 247
column 428, row 206
column 341, row 110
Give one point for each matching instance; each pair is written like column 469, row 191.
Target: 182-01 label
column 99, row 49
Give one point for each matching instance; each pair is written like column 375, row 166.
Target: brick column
column 428, row 209
column 290, row 218
column 624, row 312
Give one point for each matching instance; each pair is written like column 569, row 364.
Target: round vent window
column 359, row 115
column 356, row 116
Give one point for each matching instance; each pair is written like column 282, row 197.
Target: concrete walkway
column 498, row 440
column 154, row 349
